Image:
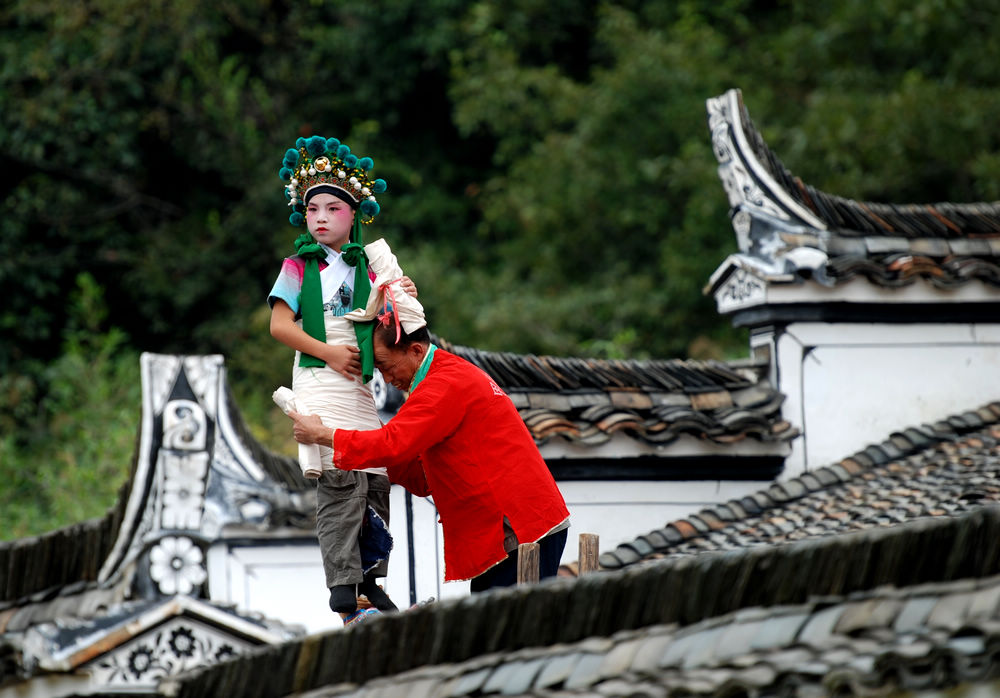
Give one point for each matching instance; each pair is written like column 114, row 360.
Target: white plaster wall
column 283, row 581
column 619, row 512
column 851, row 385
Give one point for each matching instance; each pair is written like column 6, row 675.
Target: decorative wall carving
column 169, row 649
column 176, row 564
column 741, row 289
column 184, row 426
column 183, row 489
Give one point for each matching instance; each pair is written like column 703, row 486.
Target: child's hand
column 343, row 359
column 406, row 283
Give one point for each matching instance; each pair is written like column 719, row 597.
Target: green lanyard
column 425, row 366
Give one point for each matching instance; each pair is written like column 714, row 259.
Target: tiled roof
column 40, row 566
column 876, row 573
column 946, row 244
column 878, row 608
column 62, row 637
column 918, row 638
column 587, row 401
column 939, row 469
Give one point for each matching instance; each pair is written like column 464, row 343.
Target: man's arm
column 411, row 476
column 430, row 415
column 308, row 429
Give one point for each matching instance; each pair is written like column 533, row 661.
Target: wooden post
column 527, row 563
column 588, row 552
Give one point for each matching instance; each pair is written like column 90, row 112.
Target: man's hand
column 309, row 429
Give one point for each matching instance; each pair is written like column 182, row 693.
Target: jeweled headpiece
column 326, row 162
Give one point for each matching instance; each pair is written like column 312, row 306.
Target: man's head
column 398, row 361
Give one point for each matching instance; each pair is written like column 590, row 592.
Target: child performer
column 321, row 306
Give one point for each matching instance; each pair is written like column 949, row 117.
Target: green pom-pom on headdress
column 343, row 151
column 379, row 186
column 366, row 164
column 370, row 208
column 332, row 144
column 296, row 218
column 316, row 145
column 285, row 173
column 300, row 143
column 351, row 160
column 291, row 158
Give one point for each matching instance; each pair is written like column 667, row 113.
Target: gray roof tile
column 585, row 673
column 513, row 678
column 470, row 683
column 557, row 670
column 649, row 655
column 950, row 611
column 818, row 630
column 779, row 631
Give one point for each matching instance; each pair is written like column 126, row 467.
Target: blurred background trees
column 551, row 183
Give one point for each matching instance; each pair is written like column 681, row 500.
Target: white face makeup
column 329, row 219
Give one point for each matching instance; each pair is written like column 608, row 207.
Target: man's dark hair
column 385, row 328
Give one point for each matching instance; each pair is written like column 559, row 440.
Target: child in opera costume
column 322, row 305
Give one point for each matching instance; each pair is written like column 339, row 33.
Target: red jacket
column 459, row 438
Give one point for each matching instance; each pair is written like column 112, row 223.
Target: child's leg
column 340, row 509
column 378, row 499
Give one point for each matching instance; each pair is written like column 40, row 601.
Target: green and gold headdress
column 318, row 163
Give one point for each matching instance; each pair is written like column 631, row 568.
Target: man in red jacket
column 458, row 438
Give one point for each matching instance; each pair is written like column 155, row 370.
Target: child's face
column 329, row 219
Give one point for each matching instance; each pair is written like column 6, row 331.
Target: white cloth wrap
column 309, row 458
column 383, row 263
column 340, row 403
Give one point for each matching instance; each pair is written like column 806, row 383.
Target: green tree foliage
column 67, row 463
column 551, row 181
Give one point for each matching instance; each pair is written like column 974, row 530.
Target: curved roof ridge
column 851, row 217
column 900, row 445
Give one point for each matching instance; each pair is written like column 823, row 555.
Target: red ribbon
column 387, row 295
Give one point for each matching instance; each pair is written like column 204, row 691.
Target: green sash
column 311, row 296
